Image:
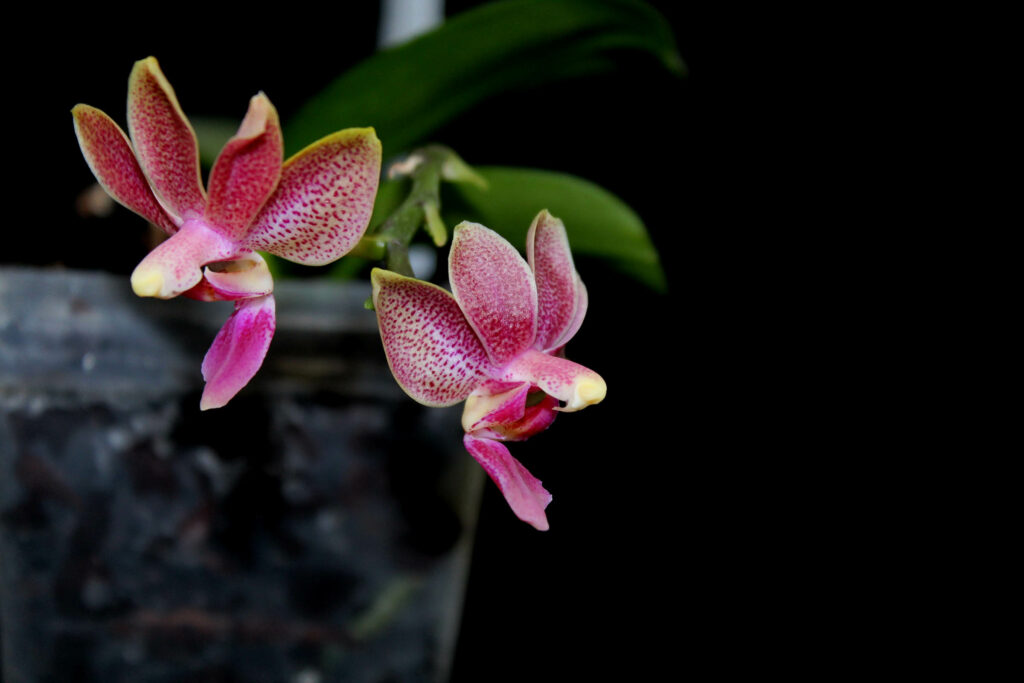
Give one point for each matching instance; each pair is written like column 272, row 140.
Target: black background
column 663, row 538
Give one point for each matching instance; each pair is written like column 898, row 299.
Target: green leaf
column 390, row 193
column 598, row 223
column 407, row 92
column 212, row 134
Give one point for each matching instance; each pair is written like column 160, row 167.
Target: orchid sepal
column 582, row 301
column 108, row 151
column 247, row 170
column 495, row 289
column 561, row 297
column 431, row 349
column 164, row 142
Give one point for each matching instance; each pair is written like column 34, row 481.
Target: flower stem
column 424, row 200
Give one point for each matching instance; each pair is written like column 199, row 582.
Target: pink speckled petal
column 433, row 352
column 247, row 170
column 582, row 301
column 238, row 351
column 176, row 264
column 486, row 407
column 547, row 250
column 567, row 381
column 164, row 142
column 324, row 201
column 523, row 492
column 495, row 289
column 110, row 156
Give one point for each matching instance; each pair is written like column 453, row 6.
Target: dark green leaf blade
column 599, row 224
column 409, row 91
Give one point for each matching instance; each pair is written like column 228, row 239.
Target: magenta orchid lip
column 311, row 209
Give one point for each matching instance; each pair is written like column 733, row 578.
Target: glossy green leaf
column 408, row 91
column 599, row 224
column 390, row 193
column 212, row 133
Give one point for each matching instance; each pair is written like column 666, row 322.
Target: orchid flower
column 496, row 343
column 312, row 210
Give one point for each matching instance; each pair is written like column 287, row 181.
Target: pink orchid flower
column 495, row 342
column 312, row 210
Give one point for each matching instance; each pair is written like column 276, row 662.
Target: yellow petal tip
column 587, row 392
column 147, row 282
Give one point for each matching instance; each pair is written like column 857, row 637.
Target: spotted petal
column 582, row 301
column 246, row 171
column 238, row 351
column 164, row 142
column 323, row 204
column 110, row 156
column 558, row 299
column 495, row 289
column 433, row 353
column 523, row 492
